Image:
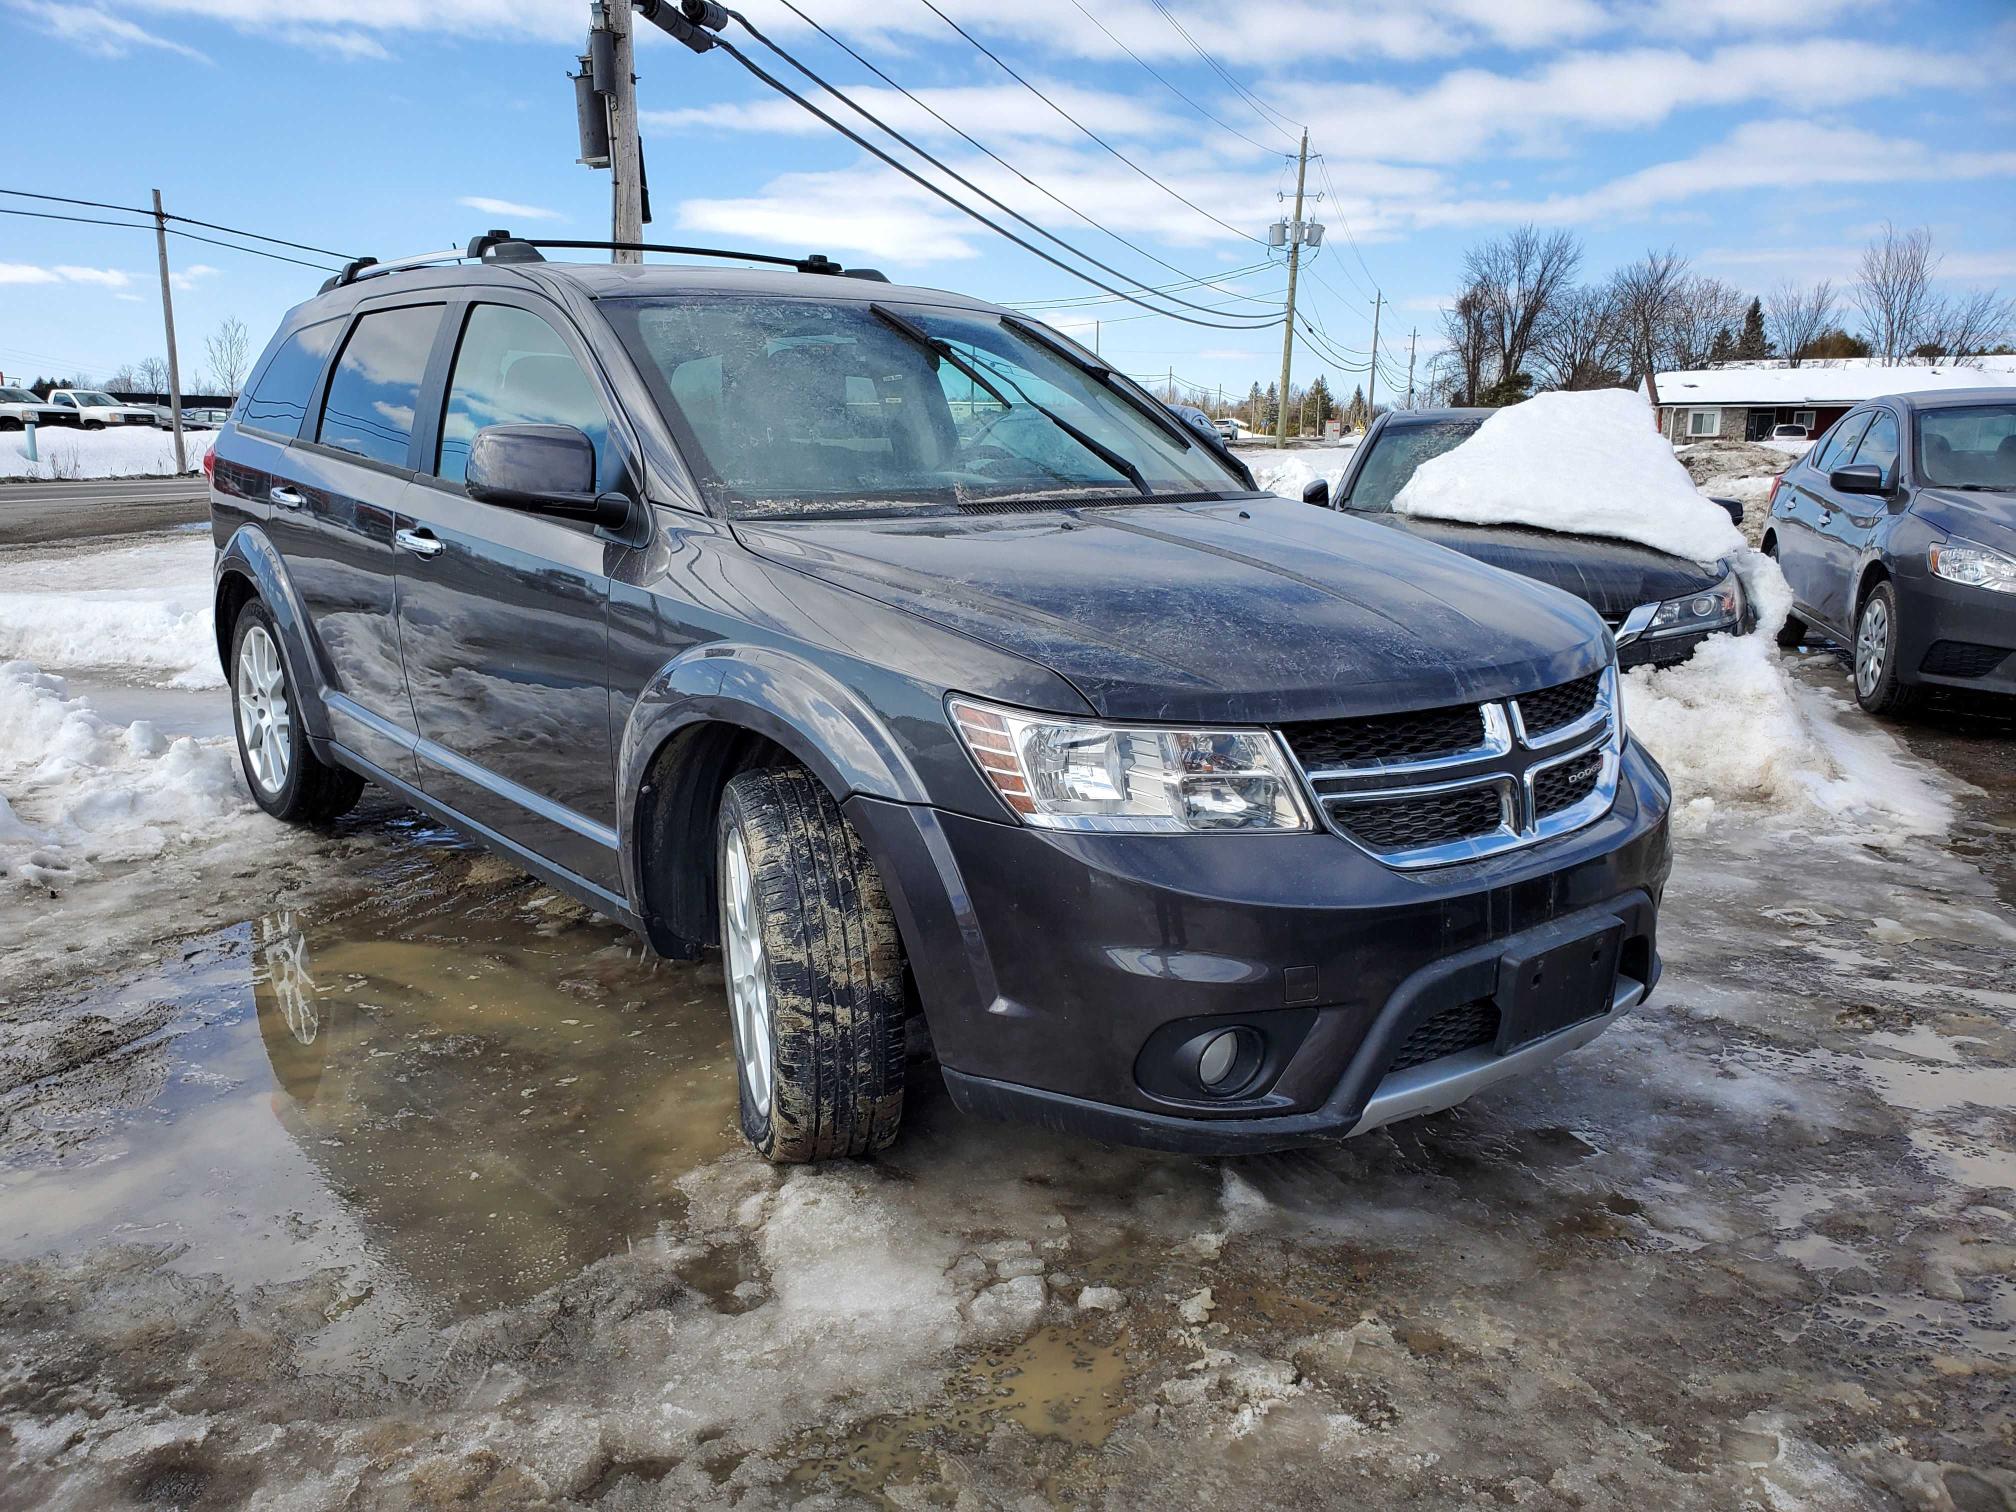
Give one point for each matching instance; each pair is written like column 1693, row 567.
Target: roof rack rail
column 501, row 246
column 368, row 267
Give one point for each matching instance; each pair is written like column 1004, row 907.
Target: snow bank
column 78, row 792
column 1585, row 463
column 130, row 452
column 1288, row 473
column 133, row 609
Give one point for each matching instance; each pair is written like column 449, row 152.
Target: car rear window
column 376, row 384
column 279, row 401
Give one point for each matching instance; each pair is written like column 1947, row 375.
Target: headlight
column 1717, row 608
column 1067, row 774
column 1976, row 566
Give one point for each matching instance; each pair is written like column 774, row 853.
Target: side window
column 513, row 369
column 1840, row 443
column 369, row 409
column 279, row 403
column 65, row 400
column 1879, row 446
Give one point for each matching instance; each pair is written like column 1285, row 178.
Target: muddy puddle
column 464, row 1095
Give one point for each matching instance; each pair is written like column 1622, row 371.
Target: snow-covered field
column 133, row 452
column 139, row 611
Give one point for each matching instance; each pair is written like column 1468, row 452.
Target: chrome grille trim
column 1509, row 759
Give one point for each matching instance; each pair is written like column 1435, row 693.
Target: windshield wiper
column 918, row 336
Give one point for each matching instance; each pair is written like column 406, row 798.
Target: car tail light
column 210, row 465
column 1776, row 484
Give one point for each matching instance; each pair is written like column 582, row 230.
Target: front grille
column 1962, row 659
column 1420, row 736
column 1564, row 786
column 1400, row 824
column 1551, row 708
column 1464, row 1027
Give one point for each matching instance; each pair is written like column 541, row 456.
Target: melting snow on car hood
column 1589, row 463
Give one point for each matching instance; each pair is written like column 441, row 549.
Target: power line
column 58, row 199
column 931, row 6
column 1261, row 107
column 954, row 174
column 86, row 220
column 1343, row 220
column 756, row 70
column 1227, row 125
column 1066, row 301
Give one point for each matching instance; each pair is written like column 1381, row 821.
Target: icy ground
column 130, row 452
column 367, row 1173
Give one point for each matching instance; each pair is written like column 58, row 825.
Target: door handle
column 423, row 543
column 286, row 498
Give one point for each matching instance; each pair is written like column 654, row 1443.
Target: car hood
column 1252, row 610
column 1987, row 519
column 1614, row 577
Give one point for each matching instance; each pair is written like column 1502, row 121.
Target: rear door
column 504, row 614
column 1806, row 515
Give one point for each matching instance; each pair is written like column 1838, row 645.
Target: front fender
column 250, row 557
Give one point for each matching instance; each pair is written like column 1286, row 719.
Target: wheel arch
column 705, row 717
column 1872, row 572
column 250, row 567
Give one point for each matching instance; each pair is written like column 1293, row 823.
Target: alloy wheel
column 265, row 720
column 1872, row 647
column 749, row 998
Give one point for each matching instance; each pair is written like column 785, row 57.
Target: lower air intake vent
column 1962, row 659
column 1464, row 1027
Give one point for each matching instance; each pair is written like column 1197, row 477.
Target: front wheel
column 287, row 779
column 1878, row 688
column 814, row 971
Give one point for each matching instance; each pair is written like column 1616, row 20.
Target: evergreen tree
column 1354, row 414
column 1270, row 408
column 1753, row 344
column 1318, row 406
column 1254, row 405
column 1723, row 348
column 1510, row 389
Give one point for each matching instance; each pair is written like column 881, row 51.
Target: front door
column 335, row 494
column 504, row 614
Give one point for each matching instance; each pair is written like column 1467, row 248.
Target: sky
column 1763, row 139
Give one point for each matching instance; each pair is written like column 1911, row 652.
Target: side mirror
column 541, row 469
column 1732, row 507
column 1857, row 478
column 1316, row 491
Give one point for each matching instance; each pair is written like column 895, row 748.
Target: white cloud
column 27, row 273
column 108, row 278
column 1002, row 112
column 872, row 213
column 508, row 207
column 189, row 277
column 337, row 44
column 97, row 31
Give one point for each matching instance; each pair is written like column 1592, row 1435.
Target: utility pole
column 1294, row 266
column 168, row 321
column 626, row 167
column 1412, row 337
column 1372, row 376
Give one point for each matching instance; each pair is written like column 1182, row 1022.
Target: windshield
column 17, row 396
column 1973, row 447
column 1397, row 451
column 793, row 407
column 95, row 396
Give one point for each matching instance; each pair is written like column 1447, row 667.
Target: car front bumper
column 1062, row 975
column 1948, row 634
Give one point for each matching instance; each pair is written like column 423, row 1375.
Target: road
column 58, row 511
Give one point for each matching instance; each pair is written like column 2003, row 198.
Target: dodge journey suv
column 903, row 650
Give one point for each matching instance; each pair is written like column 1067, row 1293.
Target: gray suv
column 927, row 667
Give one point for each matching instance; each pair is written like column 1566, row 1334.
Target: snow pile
column 1584, row 463
column 78, row 792
column 1737, row 735
column 1288, row 475
column 136, row 451
column 143, row 609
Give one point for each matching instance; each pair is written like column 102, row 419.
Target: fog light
column 1218, row 1057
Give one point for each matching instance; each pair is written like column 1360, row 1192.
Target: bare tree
column 1893, row 290
column 1959, row 329
column 1466, row 332
column 1701, row 308
column 1646, row 293
column 1581, row 345
column 1798, row 316
column 230, row 353
column 124, row 379
column 1517, row 278
column 153, row 375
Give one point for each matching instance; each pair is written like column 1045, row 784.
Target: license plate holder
column 1556, row 979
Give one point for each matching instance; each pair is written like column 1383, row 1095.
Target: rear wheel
column 814, row 972
column 287, row 779
column 1877, row 685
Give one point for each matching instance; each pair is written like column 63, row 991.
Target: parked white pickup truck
column 18, row 406
column 95, row 409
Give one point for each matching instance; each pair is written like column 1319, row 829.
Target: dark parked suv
column 926, row 665
column 1897, row 532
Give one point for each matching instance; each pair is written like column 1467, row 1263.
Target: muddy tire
column 1877, row 685
column 285, row 776
column 814, row 972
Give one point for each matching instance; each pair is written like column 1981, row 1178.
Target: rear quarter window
column 278, row 402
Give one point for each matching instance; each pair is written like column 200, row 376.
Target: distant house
column 1746, row 401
